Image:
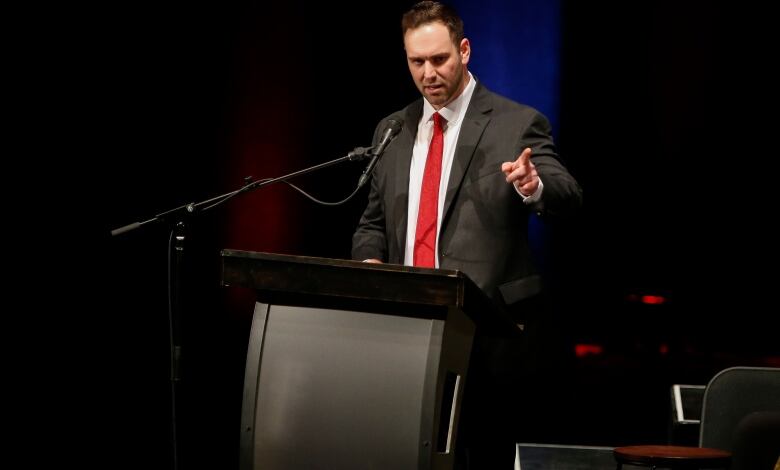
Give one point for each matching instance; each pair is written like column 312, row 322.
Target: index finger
column 525, row 156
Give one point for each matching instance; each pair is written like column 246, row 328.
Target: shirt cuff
column 535, row 197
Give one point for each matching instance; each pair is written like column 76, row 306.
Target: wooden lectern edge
column 468, row 295
column 346, row 263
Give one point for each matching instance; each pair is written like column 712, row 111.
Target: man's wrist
column 535, row 197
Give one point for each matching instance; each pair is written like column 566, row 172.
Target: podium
column 354, row 365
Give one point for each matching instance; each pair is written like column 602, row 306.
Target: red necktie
column 425, row 235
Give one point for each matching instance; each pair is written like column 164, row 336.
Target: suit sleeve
column 562, row 194
column 370, row 240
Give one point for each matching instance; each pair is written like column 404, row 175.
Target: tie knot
column 438, row 121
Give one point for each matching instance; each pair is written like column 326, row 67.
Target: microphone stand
column 176, row 217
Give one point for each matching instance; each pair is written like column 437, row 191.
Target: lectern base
column 339, row 389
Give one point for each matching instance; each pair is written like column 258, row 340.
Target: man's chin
column 435, row 99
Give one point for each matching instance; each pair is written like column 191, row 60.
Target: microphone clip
column 360, row 153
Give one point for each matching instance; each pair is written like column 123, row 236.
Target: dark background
column 666, row 112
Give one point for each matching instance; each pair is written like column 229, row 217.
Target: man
column 455, row 189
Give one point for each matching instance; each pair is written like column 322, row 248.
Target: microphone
column 392, row 129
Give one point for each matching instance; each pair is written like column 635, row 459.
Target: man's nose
column 429, row 71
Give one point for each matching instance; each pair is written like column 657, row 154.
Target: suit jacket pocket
column 520, row 289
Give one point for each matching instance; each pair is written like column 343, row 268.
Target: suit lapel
column 471, row 129
column 405, row 143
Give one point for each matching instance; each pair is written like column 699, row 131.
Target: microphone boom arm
column 359, row 153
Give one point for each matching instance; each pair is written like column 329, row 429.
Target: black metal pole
column 175, row 260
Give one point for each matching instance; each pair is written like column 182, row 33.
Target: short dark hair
column 426, row 12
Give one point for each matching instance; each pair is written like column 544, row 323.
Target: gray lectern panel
column 334, row 389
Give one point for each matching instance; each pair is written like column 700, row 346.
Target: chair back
column 733, row 394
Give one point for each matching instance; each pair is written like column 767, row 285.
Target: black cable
column 324, row 203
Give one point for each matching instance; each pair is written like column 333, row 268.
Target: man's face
column 438, row 66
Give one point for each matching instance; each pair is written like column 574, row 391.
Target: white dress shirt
column 454, row 114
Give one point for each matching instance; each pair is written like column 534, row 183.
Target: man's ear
column 465, row 51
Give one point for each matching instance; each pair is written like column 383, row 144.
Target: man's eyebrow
column 434, row 56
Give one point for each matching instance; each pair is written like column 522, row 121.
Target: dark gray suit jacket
column 484, row 226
